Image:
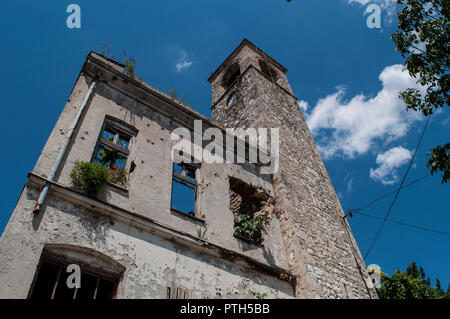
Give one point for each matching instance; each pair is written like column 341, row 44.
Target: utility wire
column 405, row 224
column 355, row 210
column 398, row 190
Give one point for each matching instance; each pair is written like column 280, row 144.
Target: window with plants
column 251, row 209
column 112, row 152
column 109, row 163
column 88, row 177
column 251, row 227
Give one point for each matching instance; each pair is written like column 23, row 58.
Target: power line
column 398, row 190
column 355, row 210
column 405, row 224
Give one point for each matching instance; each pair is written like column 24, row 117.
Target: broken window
column 251, row 207
column 184, row 188
column 51, row 284
column 112, row 149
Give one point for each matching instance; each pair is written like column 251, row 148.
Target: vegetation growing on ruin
column 250, row 227
column 257, row 295
column 88, row 177
column 129, row 63
column 176, row 96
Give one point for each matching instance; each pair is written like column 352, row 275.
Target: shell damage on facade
column 133, row 239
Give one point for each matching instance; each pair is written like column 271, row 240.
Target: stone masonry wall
column 322, row 252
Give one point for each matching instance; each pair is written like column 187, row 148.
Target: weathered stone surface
column 162, row 252
column 322, row 252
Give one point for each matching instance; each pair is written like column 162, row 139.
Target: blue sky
column 345, row 75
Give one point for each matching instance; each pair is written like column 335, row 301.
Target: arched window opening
column 268, row 71
column 232, row 99
column 231, row 75
column 98, row 275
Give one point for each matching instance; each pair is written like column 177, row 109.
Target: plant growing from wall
column 174, row 95
column 201, row 232
column 251, row 227
column 257, row 295
column 128, row 62
column 109, row 158
column 105, row 50
column 118, row 176
column 88, row 177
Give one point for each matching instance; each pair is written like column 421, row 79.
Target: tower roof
column 245, row 42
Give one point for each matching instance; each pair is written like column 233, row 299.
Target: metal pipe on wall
column 63, row 150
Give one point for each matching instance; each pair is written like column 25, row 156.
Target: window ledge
column 148, row 224
column 243, row 238
column 179, row 213
column 119, row 187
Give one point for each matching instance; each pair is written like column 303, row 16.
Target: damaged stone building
column 135, row 239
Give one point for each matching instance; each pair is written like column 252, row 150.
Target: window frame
column 120, row 128
column 188, row 182
column 268, row 70
column 62, row 261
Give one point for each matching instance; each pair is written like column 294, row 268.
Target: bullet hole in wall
column 132, row 167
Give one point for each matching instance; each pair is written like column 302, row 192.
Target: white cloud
column 384, row 4
column 183, row 62
column 350, row 185
column 445, row 121
column 303, row 105
column 363, row 2
column 353, row 127
column 388, row 162
column 388, row 7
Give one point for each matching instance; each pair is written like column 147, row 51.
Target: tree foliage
column 423, row 39
column 411, row 285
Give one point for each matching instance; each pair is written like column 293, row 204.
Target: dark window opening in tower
column 268, row 71
column 231, row 75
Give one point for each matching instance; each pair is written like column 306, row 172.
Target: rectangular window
column 112, row 149
column 251, row 208
column 51, row 284
column 184, row 188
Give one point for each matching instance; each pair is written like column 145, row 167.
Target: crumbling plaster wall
column 151, row 262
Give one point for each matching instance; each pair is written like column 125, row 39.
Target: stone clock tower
column 251, row 90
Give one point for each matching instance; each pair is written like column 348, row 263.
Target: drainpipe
column 63, row 150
